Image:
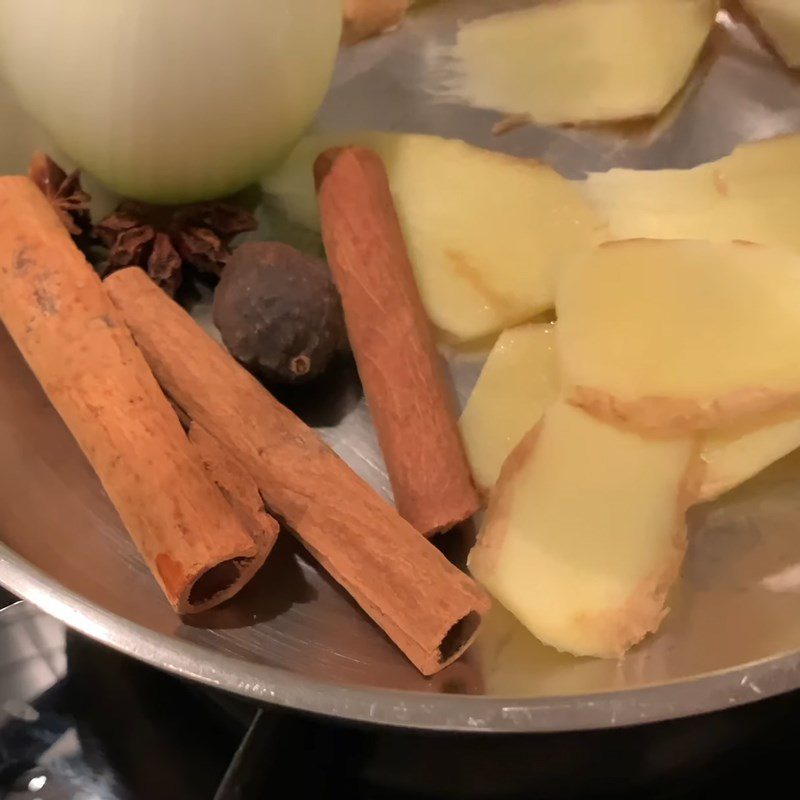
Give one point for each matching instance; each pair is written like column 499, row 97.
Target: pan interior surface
column 293, row 637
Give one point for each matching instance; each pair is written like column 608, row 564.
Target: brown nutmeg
column 279, row 312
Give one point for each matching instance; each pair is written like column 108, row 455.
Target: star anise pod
column 164, row 240
column 64, row 192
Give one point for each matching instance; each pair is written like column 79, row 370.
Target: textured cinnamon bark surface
column 427, row 606
column 241, row 492
column 393, row 343
column 77, row 345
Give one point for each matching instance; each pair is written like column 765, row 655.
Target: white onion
column 171, row 100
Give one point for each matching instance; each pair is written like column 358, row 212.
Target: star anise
column 64, row 192
column 165, row 240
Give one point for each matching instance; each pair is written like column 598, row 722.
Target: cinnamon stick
column 78, row 347
column 393, row 343
column 428, row 607
column 239, row 489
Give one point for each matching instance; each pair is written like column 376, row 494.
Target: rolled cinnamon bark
column 77, row 345
column 241, row 492
column 393, row 344
column 428, row 607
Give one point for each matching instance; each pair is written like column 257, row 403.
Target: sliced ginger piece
column 665, row 203
column 585, row 532
column 675, row 336
column 779, row 20
column 518, row 381
column 581, row 60
column 753, row 194
column 486, row 232
column 734, row 455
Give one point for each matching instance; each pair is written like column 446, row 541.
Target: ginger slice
column 585, row 532
column 675, row 336
column 734, row 455
column 518, row 382
column 581, row 60
column 753, row 194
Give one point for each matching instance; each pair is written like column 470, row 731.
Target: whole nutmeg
column 279, row 312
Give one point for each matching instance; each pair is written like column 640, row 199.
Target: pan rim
column 395, row 708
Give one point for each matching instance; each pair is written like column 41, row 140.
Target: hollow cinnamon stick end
column 456, row 639
column 225, row 579
column 200, row 587
column 457, row 631
column 208, row 587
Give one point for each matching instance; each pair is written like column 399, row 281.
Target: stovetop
column 79, row 721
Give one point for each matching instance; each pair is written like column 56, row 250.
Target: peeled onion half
column 171, row 100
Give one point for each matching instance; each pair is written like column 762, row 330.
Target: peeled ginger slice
column 581, row 60
column 675, row 336
column 734, row 455
column 752, row 194
column 585, row 532
column 518, row 381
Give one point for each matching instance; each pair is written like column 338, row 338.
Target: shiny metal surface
column 294, row 638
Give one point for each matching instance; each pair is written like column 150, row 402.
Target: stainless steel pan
column 293, row 638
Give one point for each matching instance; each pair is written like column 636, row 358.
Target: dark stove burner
column 81, row 722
